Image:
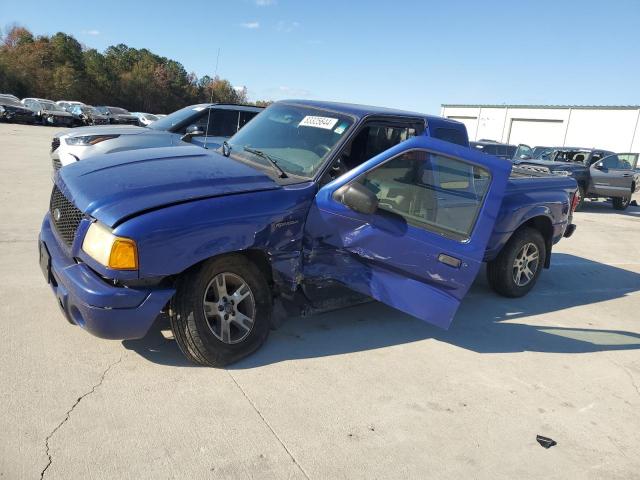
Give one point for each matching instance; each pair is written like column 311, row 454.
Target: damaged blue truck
column 311, row 206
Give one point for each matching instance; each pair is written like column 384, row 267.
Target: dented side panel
column 175, row 238
column 394, row 262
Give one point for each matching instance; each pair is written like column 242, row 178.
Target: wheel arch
column 258, row 257
column 544, row 225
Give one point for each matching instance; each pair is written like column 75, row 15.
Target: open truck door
column 408, row 227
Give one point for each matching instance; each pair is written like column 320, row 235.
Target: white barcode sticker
column 318, row 122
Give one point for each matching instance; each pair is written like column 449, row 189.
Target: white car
column 183, row 127
column 146, row 119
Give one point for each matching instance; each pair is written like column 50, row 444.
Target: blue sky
column 413, row 54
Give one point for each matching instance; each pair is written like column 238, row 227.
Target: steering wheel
column 321, row 149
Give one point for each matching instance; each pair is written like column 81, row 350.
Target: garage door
column 548, row 133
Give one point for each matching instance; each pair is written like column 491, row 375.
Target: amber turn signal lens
column 124, row 255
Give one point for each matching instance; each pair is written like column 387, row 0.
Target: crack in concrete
column 264, row 420
column 68, row 414
column 629, row 373
column 633, row 380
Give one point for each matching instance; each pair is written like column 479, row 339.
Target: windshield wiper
column 267, row 157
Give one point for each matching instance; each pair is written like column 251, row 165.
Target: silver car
column 206, row 125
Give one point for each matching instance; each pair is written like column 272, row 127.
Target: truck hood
column 567, row 166
column 119, row 185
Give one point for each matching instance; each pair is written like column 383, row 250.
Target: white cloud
column 91, row 32
column 284, row 91
column 265, row 3
column 287, row 27
column 250, row 25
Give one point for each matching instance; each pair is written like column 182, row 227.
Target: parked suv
column 205, row 125
column 84, row 115
column 11, row 110
column 48, row 113
column 117, row 115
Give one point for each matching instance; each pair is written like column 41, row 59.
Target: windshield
column 542, row 153
column 578, row 156
column 90, row 110
column 10, row 101
column 177, row 117
column 150, row 117
column 298, row 138
column 51, row 106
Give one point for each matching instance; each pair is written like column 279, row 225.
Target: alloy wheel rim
column 229, row 308
column 525, row 264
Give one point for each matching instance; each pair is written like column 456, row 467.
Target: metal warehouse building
column 609, row 127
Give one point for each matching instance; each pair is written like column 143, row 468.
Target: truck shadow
column 605, row 206
column 485, row 323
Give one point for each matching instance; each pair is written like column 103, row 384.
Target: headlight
column 1, row 109
column 86, row 140
column 109, row 250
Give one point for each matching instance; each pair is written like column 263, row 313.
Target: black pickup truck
column 599, row 173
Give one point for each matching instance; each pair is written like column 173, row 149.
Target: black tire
column 192, row 329
column 621, row 203
column 581, row 192
column 500, row 271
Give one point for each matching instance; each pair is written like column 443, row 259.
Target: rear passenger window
column 371, row 141
column 245, row 117
column 450, row 135
column 430, row 191
column 222, row 122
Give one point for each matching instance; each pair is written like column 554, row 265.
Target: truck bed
column 532, row 194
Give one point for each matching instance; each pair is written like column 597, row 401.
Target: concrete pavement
column 364, row 392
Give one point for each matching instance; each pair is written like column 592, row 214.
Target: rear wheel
column 221, row 311
column 621, row 203
column 581, row 192
column 517, row 267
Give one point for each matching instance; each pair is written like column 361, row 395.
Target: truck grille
column 65, row 216
column 55, row 143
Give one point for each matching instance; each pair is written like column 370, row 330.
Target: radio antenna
column 215, row 75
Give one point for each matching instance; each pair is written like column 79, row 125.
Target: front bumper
column 59, row 120
column 87, row 300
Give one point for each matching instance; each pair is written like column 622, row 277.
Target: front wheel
column 221, row 311
column 515, row 270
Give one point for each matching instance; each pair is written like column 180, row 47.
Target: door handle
column 449, row 260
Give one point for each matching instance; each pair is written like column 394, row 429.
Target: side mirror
column 525, row 157
column 357, row 197
column 192, row 131
column 599, row 166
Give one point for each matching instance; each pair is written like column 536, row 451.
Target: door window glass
column 620, row 161
column 431, row 191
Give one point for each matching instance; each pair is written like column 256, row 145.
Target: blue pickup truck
column 311, row 206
